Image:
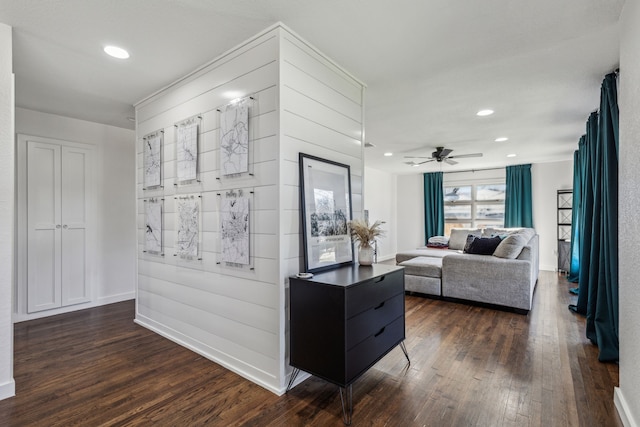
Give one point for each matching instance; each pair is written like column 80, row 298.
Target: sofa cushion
column 458, row 237
column 512, row 245
column 424, row 251
column 423, row 266
column 484, row 245
column 494, row 231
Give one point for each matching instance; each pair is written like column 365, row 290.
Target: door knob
column 65, row 226
column 58, row 226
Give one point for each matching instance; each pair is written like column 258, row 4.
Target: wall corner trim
column 623, row 408
column 7, row 389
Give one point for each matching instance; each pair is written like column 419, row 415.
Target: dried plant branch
column 363, row 233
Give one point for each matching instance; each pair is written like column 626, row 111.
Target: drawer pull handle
column 380, row 279
column 380, row 332
column 379, row 305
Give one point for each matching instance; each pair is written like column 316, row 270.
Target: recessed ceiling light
column 511, row 155
column 415, row 165
column 484, row 113
column 388, row 154
column 502, row 139
column 116, row 52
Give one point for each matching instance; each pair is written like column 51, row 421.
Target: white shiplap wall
column 301, row 102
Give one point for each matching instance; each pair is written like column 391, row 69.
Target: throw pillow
column 470, row 239
column 512, row 245
column 458, row 237
column 484, row 245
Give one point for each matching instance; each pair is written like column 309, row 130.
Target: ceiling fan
column 440, row 155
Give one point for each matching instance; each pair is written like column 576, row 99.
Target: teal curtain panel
column 518, row 210
column 433, row 205
column 598, row 263
column 576, row 231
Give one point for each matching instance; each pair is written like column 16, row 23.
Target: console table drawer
column 372, row 292
column 371, row 321
column 365, row 354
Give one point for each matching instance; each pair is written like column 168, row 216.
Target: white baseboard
column 23, row 317
column 386, row 257
column 110, row 299
column 8, row 389
column 623, row 408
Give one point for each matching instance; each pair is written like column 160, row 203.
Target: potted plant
column 365, row 234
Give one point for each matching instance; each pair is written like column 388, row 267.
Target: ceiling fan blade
column 416, row 157
column 466, row 155
column 449, row 161
column 418, row 163
column 444, row 152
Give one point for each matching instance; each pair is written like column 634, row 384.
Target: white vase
column 365, row 255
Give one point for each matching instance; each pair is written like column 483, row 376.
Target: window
column 473, row 206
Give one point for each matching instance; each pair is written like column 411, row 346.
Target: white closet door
column 44, row 226
column 76, row 163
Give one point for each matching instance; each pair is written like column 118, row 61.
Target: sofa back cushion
column 512, row 245
column 458, row 237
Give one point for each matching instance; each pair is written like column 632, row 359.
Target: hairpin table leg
column 346, row 399
column 292, row 378
column 404, row 349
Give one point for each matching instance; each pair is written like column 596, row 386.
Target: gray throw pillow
column 512, row 245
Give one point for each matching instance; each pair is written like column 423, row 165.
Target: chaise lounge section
column 505, row 278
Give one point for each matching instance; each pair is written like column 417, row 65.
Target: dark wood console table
column 343, row 321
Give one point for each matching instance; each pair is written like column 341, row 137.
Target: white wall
column 302, row 102
column 410, row 211
column 627, row 396
column 546, row 179
column 115, row 264
column 380, row 198
column 7, row 194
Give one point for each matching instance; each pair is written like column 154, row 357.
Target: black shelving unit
column 564, row 213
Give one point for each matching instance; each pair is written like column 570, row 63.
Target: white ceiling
column 429, row 65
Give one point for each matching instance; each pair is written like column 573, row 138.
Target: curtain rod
column 478, row 170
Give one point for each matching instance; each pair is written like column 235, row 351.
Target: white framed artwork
column 153, row 226
column 187, row 150
column 234, row 227
column 234, row 138
column 188, row 227
column 152, row 159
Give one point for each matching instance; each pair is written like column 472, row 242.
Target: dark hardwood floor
column 470, row 366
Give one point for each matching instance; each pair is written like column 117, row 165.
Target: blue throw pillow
column 484, row 245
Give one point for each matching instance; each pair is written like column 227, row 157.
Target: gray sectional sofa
column 506, row 278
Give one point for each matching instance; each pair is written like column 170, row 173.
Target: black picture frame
column 326, row 209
